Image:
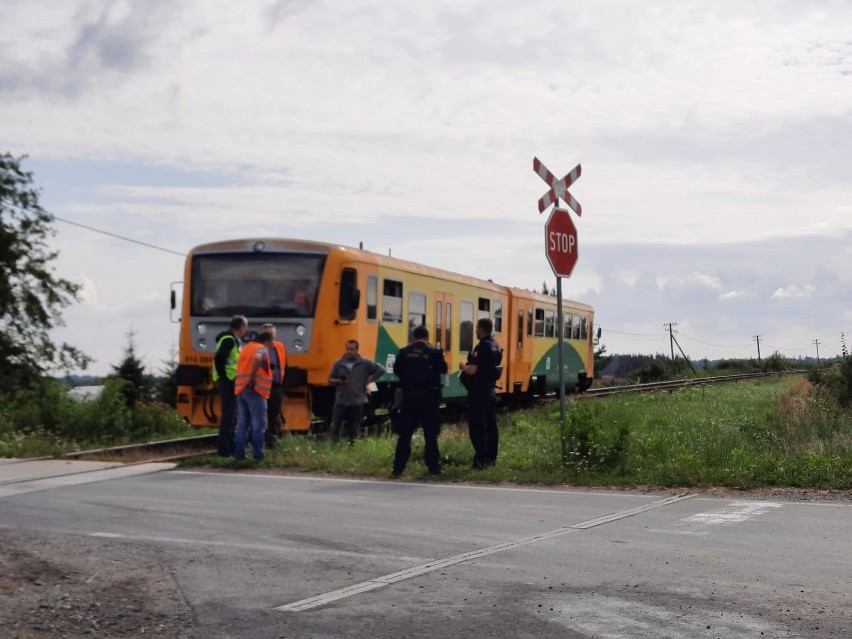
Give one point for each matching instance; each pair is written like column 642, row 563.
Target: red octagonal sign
column 560, row 237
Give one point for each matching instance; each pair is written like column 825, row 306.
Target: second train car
column 321, row 295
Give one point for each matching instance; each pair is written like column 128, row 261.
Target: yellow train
column 321, row 295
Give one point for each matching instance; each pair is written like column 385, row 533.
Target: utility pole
column 756, row 338
column 670, row 328
column 817, row 343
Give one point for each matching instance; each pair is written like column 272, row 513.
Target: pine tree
column 138, row 384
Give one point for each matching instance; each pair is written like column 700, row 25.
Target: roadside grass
column 780, row 432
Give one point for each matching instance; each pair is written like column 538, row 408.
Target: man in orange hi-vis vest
column 252, row 385
column 278, row 359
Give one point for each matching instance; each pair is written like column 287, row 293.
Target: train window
column 466, row 327
column 498, row 316
column 268, row 284
column 583, row 333
column 392, row 302
column 439, row 324
column 567, row 333
column 539, row 322
column 448, row 344
column 548, row 323
column 529, row 321
column 372, row 298
column 484, row 308
column 577, row 327
column 520, row 328
column 349, row 294
column 416, row 311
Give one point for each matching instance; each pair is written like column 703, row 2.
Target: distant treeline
column 648, row 368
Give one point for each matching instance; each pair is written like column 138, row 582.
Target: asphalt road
column 260, row 556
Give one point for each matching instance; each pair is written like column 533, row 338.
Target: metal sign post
column 561, row 248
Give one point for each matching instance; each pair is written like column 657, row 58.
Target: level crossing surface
column 258, row 555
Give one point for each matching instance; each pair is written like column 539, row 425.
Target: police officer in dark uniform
column 480, row 373
column 419, row 368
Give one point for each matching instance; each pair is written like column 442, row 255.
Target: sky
column 713, row 137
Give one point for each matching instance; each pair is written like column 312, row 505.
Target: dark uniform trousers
column 482, row 425
column 228, row 406
column 419, row 408
column 273, row 415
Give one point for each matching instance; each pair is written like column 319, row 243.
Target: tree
column 601, row 359
column 167, row 382
column 138, row 384
column 32, row 296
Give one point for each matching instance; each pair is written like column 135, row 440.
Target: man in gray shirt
column 350, row 376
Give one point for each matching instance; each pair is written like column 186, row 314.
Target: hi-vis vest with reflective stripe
column 231, row 364
column 263, row 377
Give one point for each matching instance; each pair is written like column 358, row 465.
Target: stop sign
column 560, row 238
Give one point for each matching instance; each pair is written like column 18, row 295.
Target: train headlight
column 300, row 330
column 202, row 344
column 298, row 346
column 202, row 328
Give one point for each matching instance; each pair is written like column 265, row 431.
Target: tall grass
column 50, row 422
column 748, row 434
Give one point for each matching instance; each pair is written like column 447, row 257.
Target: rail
column 147, row 452
column 678, row 383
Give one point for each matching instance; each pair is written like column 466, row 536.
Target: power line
column 709, row 344
column 120, row 237
column 609, row 330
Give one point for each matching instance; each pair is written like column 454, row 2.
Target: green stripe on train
column 548, row 366
column 386, row 350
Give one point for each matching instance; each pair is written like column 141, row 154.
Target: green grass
column 50, row 423
column 779, row 432
column 748, row 434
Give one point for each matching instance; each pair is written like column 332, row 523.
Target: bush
column 50, row 421
column 589, row 443
column 836, row 380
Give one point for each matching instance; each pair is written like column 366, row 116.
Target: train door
column 523, row 341
column 442, row 330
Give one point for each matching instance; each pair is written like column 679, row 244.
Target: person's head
column 352, row 349
column 420, row 334
column 484, row 328
column 239, row 325
column 269, row 328
column 264, row 337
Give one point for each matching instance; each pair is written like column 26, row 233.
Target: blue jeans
column 251, row 423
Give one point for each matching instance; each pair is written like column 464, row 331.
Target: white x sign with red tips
column 558, row 188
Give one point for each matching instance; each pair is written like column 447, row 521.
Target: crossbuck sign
column 558, row 188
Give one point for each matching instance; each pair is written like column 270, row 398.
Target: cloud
column 793, row 291
column 732, row 295
column 668, row 282
column 88, row 291
column 714, row 146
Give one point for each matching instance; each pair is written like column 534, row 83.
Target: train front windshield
column 255, row 284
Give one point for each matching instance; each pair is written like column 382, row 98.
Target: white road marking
column 732, row 513
column 416, row 571
column 85, row 477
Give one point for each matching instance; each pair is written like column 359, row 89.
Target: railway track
column 677, row 383
column 161, row 451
